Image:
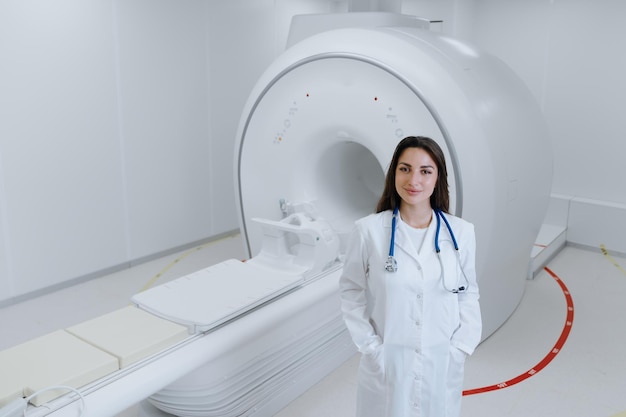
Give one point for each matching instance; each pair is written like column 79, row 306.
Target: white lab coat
column 413, row 334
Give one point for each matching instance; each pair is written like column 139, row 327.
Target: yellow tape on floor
column 180, row 258
column 605, row 252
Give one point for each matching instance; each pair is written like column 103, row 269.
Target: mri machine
column 315, row 137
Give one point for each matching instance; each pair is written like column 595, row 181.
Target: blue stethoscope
column 392, row 265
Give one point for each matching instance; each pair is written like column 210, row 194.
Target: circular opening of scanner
column 319, row 138
column 349, row 180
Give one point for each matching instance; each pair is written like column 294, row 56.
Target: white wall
column 117, row 124
column 62, row 176
column 569, row 53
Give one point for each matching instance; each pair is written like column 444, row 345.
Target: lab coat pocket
column 372, row 369
column 371, row 395
column 456, row 371
column 457, row 356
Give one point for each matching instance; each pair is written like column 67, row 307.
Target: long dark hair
column 440, row 199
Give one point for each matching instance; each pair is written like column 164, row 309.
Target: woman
column 415, row 326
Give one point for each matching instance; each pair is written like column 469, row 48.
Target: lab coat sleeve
column 353, row 291
column 468, row 334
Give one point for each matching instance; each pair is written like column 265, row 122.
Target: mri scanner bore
column 359, row 91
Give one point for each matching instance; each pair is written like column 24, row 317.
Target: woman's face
column 416, row 177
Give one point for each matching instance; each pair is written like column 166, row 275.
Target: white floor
column 587, row 378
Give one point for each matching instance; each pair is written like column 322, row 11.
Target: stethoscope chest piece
column 391, row 265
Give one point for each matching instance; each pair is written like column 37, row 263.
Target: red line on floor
column 569, row 320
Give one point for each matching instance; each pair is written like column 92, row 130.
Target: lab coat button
column 419, row 267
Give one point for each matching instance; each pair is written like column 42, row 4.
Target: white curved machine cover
column 320, row 126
